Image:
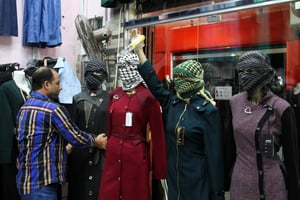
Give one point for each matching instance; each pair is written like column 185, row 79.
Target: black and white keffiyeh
column 127, row 65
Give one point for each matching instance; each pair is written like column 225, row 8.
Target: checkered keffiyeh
column 189, row 81
column 189, row 69
column 127, row 65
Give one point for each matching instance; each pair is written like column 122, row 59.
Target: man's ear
column 46, row 85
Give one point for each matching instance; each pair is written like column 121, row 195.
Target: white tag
column 128, row 119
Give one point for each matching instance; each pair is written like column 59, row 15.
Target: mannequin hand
column 137, row 40
column 101, row 141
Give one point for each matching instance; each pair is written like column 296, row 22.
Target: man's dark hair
column 40, row 76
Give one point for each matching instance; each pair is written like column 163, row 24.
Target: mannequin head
column 127, row 65
column 255, row 73
column 95, row 74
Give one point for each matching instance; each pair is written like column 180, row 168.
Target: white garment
column 21, row 81
column 297, row 89
column 68, row 80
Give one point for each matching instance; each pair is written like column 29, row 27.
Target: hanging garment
column 68, row 80
column 11, row 99
column 41, row 25
column 8, row 18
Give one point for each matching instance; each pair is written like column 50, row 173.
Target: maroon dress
column 127, row 164
column 280, row 180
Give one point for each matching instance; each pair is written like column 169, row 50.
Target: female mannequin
column 127, row 166
column 89, row 112
column 262, row 124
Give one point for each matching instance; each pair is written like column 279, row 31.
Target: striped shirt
column 43, row 128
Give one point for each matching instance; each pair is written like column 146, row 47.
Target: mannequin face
column 94, row 80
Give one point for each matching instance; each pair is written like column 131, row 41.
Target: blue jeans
column 48, row 192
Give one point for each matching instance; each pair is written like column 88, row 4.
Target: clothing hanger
column 47, row 62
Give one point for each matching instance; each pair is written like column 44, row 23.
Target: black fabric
column 157, row 190
column 90, row 114
column 290, row 147
column 113, row 3
column 259, row 161
column 229, row 147
column 108, row 3
column 95, row 74
column 8, row 188
column 294, row 100
column 5, row 76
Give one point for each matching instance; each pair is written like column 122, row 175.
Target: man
column 43, row 129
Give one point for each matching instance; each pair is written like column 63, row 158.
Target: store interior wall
column 12, row 50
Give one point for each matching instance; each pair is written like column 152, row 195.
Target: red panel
column 292, row 63
column 272, row 28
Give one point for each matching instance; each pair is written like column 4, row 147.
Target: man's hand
column 101, row 141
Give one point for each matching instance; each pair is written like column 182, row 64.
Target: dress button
column 91, row 150
column 90, row 177
column 90, row 163
column 119, row 161
column 90, row 193
column 119, row 178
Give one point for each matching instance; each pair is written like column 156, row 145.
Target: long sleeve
column 69, row 129
column 229, row 149
column 213, row 148
column 155, row 85
column 290, row 153
column 158, row 139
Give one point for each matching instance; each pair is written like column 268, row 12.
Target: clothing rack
column 46, row 61
column 10, row 67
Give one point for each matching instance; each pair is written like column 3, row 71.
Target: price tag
column 128, row 119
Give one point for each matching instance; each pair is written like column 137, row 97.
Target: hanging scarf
column 95, row 74
column 188, row 79
column 127, row 65
column 255, row 72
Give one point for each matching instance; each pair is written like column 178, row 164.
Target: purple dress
column 280, row 177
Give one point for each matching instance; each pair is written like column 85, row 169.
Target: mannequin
column 89, row 112
column 127, row 165
column 21, row 81
column 262, row 124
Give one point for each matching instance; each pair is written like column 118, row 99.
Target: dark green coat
column 195, row 167
column 11, row 100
